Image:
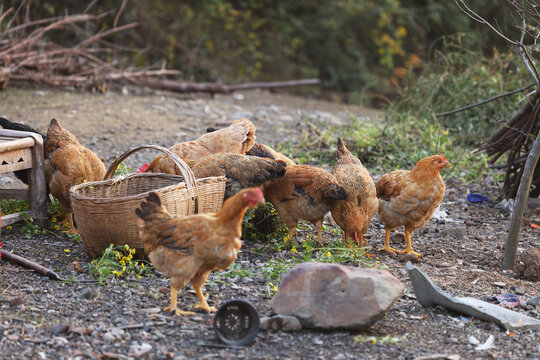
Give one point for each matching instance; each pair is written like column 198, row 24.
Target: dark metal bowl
column 236, row 322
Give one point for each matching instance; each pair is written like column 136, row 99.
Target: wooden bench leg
column 38, row 196
column 38, row 187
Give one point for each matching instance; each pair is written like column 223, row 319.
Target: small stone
column 499, row 284
column 339, row 356
column 88, row 294
column 520, row 290
column 197, row 318
column 528, row 267
column 58, row 342
column 281, row 323
column 154, row 310
column 108, row 337
column 456, row 232
column 398, row 237
column 451, row 340
column 117, row 332
column 138, row 351
column 473, row 340
column 409, row 257
column 535, row 301
column 60, row 328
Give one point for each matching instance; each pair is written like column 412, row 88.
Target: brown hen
column 353, row 215
column 189, row 248
column 409, row 198
column 304, row 193
column 241, row 171
column 265, row 151
column 67, row 164
column 238, row 138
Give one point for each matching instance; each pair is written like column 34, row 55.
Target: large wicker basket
column 105, row 210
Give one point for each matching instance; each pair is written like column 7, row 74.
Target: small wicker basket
column 105, row 210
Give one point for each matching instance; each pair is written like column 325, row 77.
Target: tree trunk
column 510, row 249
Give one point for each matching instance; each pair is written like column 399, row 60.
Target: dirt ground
column 45, row 319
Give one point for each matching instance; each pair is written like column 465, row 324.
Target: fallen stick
column 29, row 264
column 213, row 88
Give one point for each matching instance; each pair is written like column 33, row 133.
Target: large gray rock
column 332, row 296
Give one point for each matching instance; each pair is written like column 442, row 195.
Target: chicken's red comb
column 441, row 155
column 143, row 168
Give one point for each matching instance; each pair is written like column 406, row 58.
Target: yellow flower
column 67, row 250
column 122, row 262
column 294, row 250
column 142, row 265
column 56, row 227
column 328, row 253
column 54, row 219
column 8, row 227
column 274, row 287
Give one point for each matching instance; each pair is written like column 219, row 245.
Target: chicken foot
column 409, row 249
column 174, row 304
column 386, row 246
column 69, row 224
column 197, row 283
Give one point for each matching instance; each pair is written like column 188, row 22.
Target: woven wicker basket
column 105, row 210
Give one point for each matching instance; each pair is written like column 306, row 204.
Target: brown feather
column 238, row 138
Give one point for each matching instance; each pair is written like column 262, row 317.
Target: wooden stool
column 20, row 150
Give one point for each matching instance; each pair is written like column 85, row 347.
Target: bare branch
column 484, row 101
column 481, row 20
column 122, row 7
column 529, row 65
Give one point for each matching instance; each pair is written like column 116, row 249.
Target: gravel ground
column 80, row 319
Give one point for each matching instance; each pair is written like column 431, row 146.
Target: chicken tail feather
column 151, row 205
column 341, row 149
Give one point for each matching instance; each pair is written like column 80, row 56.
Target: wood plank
column 20, row 194
column 11, row 218
column 16, row 160
column 17, row 134
column 16, row 144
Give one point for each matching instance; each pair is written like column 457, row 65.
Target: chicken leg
column 198, row 283
column 292, row 232
column 409, row 249
column 174, row 304
column 361, row 242
column 386, row 246
column 318, row 226
column 69, row 224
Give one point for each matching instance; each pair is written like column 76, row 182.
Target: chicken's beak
column 447, row 164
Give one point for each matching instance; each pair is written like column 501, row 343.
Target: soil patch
column 44, row 319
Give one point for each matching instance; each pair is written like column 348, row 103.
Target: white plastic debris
column 487, row 345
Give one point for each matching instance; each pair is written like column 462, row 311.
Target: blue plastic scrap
column 477, row 198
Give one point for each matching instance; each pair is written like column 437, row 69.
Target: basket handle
column 185, row 170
